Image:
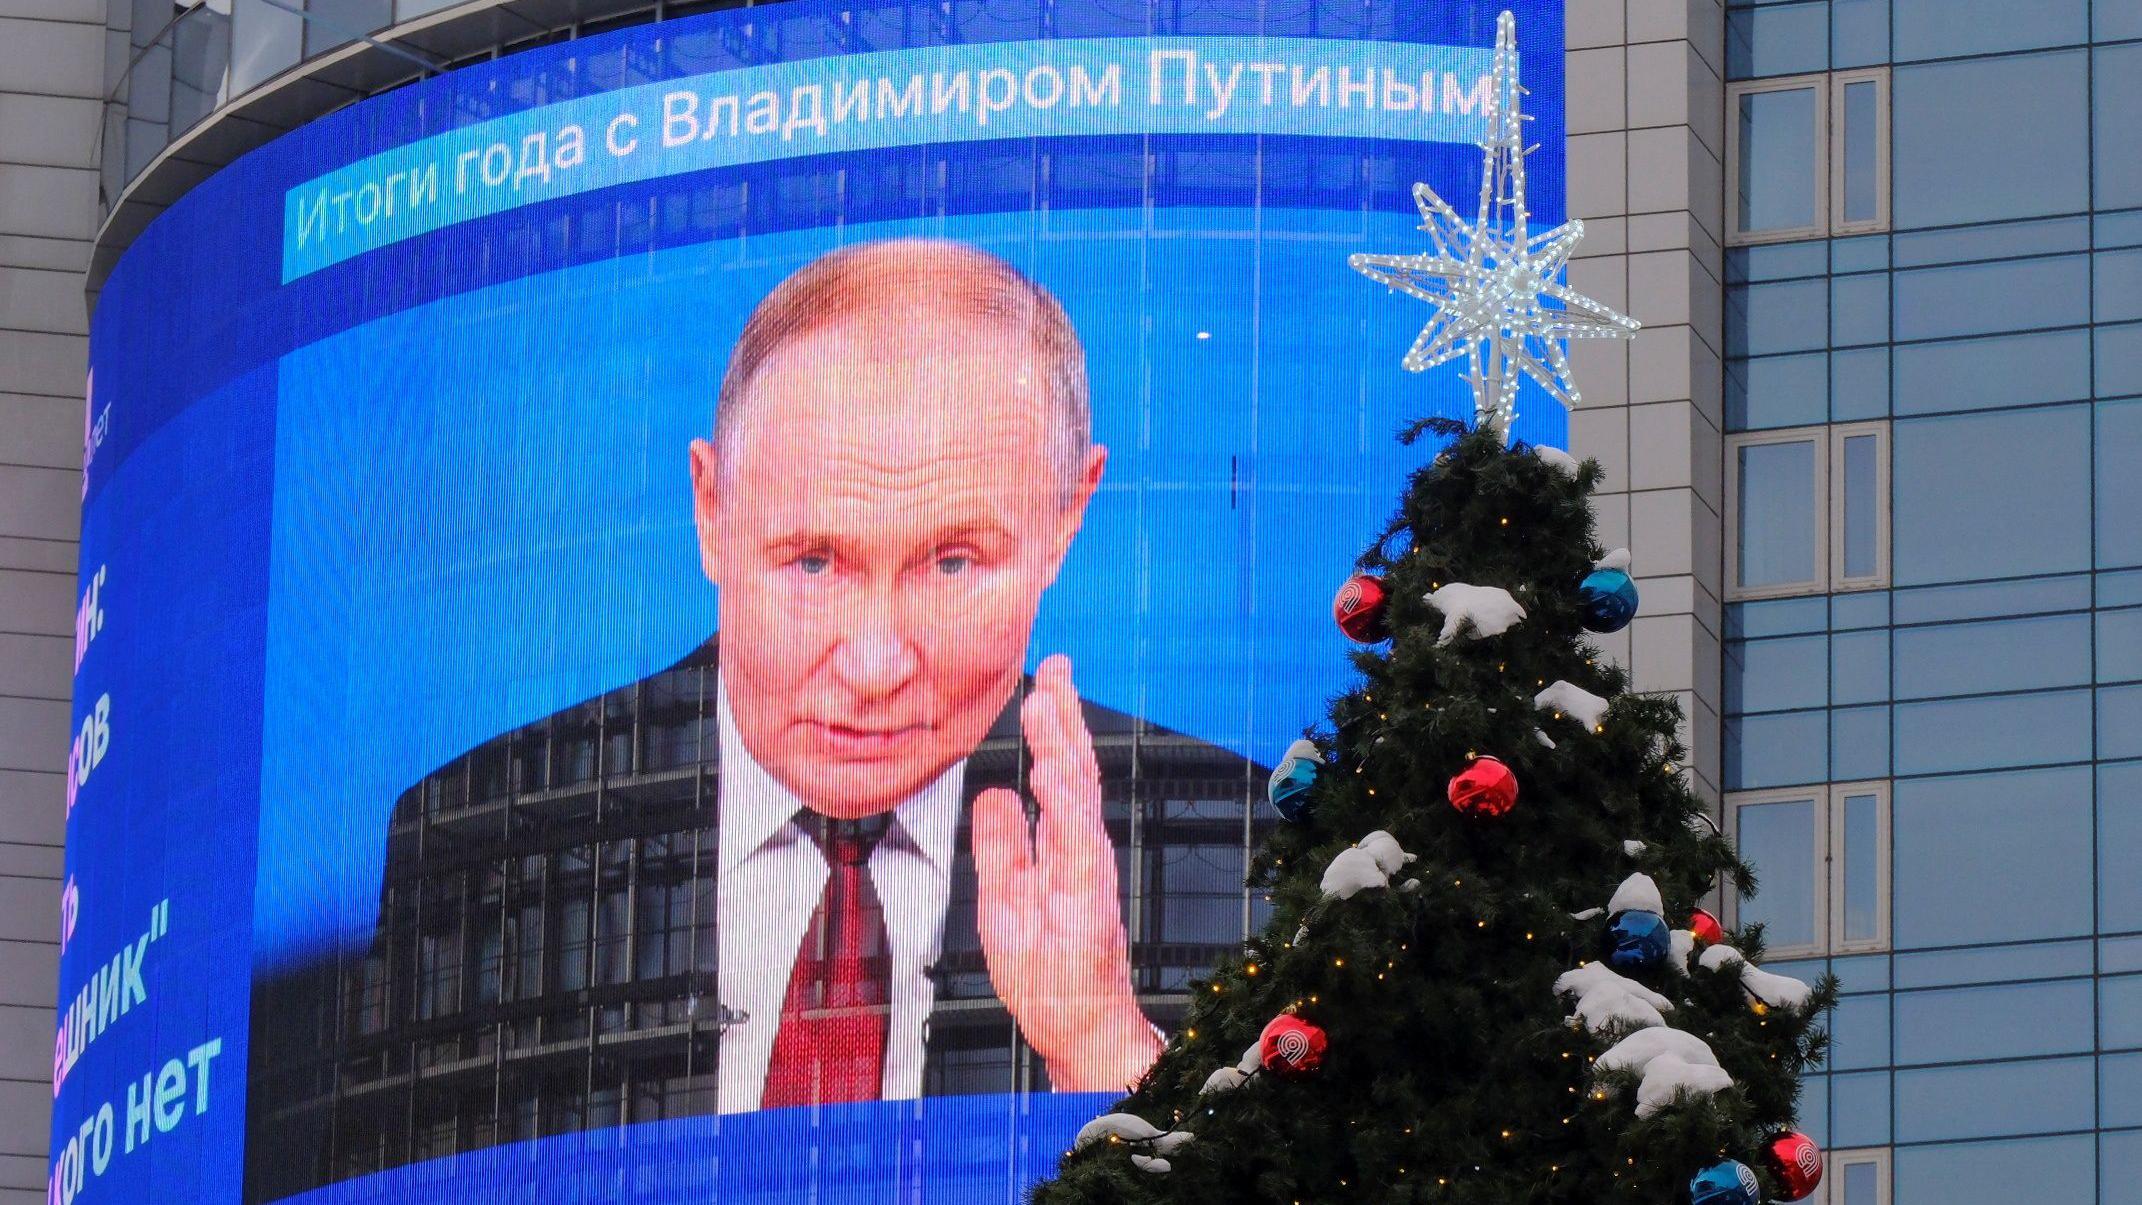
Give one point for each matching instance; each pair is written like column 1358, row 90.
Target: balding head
column 885, row 286
column 900, row 461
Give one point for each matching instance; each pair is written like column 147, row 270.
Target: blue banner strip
column 1305, row 87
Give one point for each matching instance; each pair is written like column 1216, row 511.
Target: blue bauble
column 1292, row 778
column 1608, row 598
column 1727, row 1182
column 1637, row 941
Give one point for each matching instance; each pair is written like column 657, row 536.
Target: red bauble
column 1291, row 1047
column 1706, row 928
column 1796, row 1161
column 1485, row 788
column 1359, row 608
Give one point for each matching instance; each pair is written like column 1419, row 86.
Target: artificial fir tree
column 1458, row 964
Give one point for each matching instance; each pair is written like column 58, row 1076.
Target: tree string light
column 1487, row 279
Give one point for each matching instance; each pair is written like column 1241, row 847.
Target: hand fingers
column 1003, row 868
column 1071, row 838
column 1055, row 684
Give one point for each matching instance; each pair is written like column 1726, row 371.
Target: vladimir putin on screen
column 900, row 457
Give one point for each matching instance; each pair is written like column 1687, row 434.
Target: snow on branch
column 1637, row 893
column 1369, row 863
column 1669, row 1077
column 1565, row 698
column 1606, row 1000
column 1774, row 990
column 1480, row 610
column 1556, row 459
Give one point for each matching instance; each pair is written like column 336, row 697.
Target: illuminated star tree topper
column 1495, row 285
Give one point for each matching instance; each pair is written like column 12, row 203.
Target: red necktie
column 831, row 1045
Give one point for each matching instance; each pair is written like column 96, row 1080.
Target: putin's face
column 881, row 527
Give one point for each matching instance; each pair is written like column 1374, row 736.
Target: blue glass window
column 1780, row 146
column 1860, row 128
column 1992, row 495
column 2122, row 1153
column 1779, row 840
column 1859, row 384
column 1766, row 319
column 1990, row 732
column 1991, row 1099
column 1866, row 253
column 2119, row 722
column 1859, row 1033
column 1859, row 743
column 1860, row 525
column 2117, row 284
column 1859, row 667
column 2002, row 1021
column 265, row 39
column 2119, row 1008
column 2008, row 240
column 1979, row 658
column 1780, row 750
column 1859, row 912
column 1777, row 39
column 2119, row 645
column 1865, row 609
column 1775, row 261
column 1859, row 1109
column 1776, row 675
column 2120, row 1090
column 1933, row 29
column 1776, row 500
column 330, row 23
column 2119, row 359
column 1859, row 309
column 1991, row 857
column 2119, row 488
column 1995, row 963
column 1993, row 600
column 2006, row 370
column 1859, row 33
column 2118, row 109
column 1988, row 139
column 1982, row 299
column 2059, row 1169
column 1776, row 391
column 1862, row 1185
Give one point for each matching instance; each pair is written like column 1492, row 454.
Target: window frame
column 1828, row 887
column 1735, row 442
column 1819, row 797
column 1818, row 186
column 1839, row 793
column 1828, row 185
column 1834, row 1163
column 1840, row 226
column 1828, row 483
column 1839, row 582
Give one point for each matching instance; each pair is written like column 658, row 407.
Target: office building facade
column 1878, row 454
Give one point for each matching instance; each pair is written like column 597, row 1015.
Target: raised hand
column 1050, row 929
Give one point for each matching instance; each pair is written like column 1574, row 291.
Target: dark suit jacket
column 545, row 952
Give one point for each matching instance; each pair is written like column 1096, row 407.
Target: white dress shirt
column 770, row 878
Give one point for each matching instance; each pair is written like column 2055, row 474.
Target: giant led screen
column 701, row 613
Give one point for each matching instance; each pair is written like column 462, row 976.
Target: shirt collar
column 756, row 809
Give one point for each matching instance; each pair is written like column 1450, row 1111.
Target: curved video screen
column 702, row 613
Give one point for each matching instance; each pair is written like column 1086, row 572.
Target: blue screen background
column 357, row 523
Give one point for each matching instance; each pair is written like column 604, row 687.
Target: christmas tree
column 1469, row 990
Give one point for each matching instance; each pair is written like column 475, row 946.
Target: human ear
column 1074, row 507
column 706, row 506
